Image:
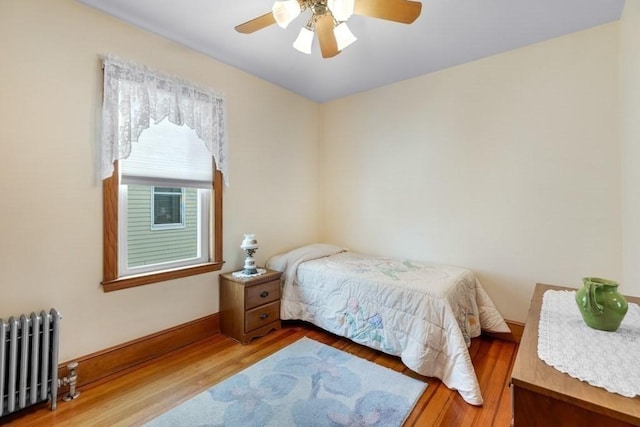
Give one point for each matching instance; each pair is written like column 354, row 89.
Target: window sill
column 149, row 278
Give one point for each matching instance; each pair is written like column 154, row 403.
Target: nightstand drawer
column 262, row 294
column 262, row 316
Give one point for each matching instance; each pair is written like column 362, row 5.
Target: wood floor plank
column 156, row 386
column 435, row 412
column 505, row 418
column 497, row 384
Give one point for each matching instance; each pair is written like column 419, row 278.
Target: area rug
column 305, row 384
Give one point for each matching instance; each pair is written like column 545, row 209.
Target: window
column 167, row 208
column 165, row 224
column 164, row 156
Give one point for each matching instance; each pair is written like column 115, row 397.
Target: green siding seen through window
column 146, row 245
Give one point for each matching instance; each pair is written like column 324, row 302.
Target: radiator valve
column 71, row 380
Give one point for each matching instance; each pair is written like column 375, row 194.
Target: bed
column 424, row 313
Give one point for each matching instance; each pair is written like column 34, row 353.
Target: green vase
column 601, row 305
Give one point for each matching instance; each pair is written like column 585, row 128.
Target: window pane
column 168, row 190
column 167, row 208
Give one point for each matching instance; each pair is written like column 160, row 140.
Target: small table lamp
column 250, row 246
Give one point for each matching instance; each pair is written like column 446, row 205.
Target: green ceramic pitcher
column 601, row 305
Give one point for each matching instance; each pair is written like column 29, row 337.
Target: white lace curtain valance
column 135, row 95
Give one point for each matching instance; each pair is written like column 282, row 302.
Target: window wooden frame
column 111, row 280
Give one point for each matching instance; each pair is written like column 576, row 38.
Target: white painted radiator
column 29, row 360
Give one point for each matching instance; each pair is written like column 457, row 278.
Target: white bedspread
column 426, row 314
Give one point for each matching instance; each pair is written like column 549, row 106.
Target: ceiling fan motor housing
column 319, row 7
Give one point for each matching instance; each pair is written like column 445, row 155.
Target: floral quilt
column 426, row 314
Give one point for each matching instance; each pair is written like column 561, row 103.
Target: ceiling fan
column 328, row 20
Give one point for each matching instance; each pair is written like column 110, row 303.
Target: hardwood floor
column 155, row 387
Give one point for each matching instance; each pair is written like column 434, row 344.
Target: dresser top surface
column 531, row 373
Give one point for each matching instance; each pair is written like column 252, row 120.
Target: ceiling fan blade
column 256, row 23
column 326, row 37
column 403, row 11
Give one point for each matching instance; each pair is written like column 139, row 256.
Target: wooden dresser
column 249, row 307
column 544, row 396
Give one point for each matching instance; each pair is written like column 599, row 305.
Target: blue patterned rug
column 304, row 384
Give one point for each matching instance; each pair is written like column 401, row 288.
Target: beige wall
column 630, row 142
column 51, row 222
column 508, row 165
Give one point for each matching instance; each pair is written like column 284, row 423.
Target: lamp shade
column 285, row 11
column 249, row 242
column 344, row 36
column 304, row 40
column 341, row 9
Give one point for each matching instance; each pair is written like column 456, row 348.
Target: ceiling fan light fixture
column 341, row 9
column 344, row 36
column 304, row 40
column 285, row 11
column 328, row 20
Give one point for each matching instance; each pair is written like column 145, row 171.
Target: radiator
column 29, row 360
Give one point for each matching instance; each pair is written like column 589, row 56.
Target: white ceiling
column 448, row 33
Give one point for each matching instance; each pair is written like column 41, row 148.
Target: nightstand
column 249, row 306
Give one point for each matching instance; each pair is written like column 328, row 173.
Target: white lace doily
column 610, row 360
column 241, row 273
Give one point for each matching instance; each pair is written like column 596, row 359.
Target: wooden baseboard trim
column 113, row 362
column 516, row 332
column 107, row 364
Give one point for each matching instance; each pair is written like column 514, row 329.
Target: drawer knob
column 264, row 316
column 264, row 294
